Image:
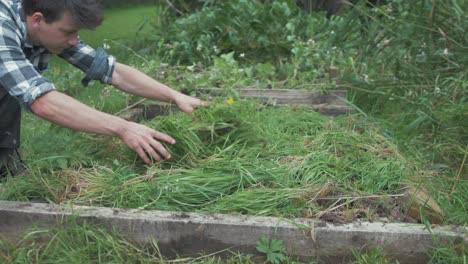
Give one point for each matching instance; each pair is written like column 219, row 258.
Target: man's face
column 57, row 36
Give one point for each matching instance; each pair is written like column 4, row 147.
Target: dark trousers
column 10, row 124
column 10, row 162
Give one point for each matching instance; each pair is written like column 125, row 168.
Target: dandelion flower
column 230, row 101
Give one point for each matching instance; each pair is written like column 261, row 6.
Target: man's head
column 54, row 24
column 86, row 14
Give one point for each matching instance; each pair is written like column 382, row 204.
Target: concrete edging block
column 189, row 234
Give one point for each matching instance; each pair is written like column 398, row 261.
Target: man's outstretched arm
column 66, row 111
column 135, row 82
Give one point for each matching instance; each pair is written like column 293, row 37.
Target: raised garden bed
column 320, row 176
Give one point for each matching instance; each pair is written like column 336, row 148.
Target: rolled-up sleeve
column 17, row 75
column 97, row 64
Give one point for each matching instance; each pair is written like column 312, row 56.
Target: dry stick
column 353, row 199
column 174, row 8
column 127, row 48
column 320, row 214
column 361, row 197
column 336, row 207
column 130, row 106
column 458, row 176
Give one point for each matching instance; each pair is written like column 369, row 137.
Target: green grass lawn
column 122, row 24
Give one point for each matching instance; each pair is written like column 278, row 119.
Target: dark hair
column 87, row 14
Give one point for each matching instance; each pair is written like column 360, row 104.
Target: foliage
column 403, row 63
column 352, row 152
column 449, row 253
column 250, row 27
column 272, row 248
column 407, row 55
column 72, row 243
column 126, row 3
column 181, row 7
column 418, row 63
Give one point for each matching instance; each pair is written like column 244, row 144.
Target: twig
column 174, row 8
column 353, row 199
column 361, row 197
column 130, row 106
column 127, row 48
column 458, row 176
column 336, row 207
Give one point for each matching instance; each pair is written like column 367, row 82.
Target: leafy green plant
column 220, row 29
column 272, row 248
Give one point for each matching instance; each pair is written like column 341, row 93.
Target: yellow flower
column 230, row 100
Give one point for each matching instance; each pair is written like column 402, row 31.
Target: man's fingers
column 155, row 145
column 150, row 154
column 188, row 104
column 150, row 150
column 164, row 137
column 146, row 142
column 204, row 103
column 143, row 155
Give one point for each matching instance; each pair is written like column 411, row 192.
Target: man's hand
column 187, row 103
column 63, row 110
column 146, row 142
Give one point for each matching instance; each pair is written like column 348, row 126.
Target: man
column 31, row 31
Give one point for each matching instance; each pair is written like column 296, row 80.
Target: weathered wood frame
column 189, row 234
column 331, row 103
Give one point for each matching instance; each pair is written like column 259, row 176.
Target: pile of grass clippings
column 243, row 157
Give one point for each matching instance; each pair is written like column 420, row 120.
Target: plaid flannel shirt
column 21, row 63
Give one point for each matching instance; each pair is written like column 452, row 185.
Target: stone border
column 189, row 234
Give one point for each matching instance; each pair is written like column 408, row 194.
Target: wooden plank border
column 328, row 103
column 190, row 234
column 284, row 96
column 332, row 103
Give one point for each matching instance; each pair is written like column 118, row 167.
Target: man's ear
column 37, row 18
